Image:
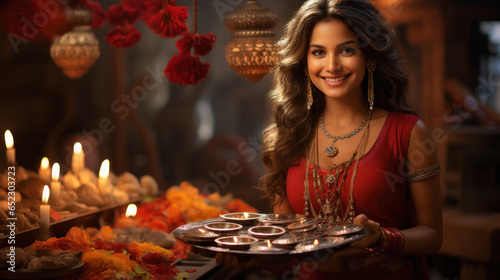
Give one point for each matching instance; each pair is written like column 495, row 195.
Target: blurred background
column 210, row 133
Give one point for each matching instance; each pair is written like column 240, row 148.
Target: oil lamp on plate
column 236, row 242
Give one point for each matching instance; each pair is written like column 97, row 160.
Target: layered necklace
column 330, row 208
column 331, row 150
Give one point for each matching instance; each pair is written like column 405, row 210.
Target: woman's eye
column 317, row 52
column 348, row 51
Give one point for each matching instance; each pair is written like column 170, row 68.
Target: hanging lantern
column 76, row 50
column 252, row 49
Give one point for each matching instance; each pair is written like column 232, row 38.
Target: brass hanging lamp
column 76, row 50
column 252, row 49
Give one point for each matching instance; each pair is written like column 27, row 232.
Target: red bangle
column 395, row 241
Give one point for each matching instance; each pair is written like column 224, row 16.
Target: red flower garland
column 202, row 44
column 186, row 69
column 19, row 18
column 169, row 22
column 120, row 15
column 123, row 37
column 99, row 14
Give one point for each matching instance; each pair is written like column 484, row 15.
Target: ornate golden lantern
column 252, row 49
column 76, row 50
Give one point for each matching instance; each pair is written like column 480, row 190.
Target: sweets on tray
column 79, row 193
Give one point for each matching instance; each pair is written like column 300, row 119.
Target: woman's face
column 335, row 62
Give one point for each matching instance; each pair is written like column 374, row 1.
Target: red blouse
column 380, row 191
column 380, row 188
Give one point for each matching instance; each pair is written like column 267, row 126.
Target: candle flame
column 316, row 242
column 235, row 239
column 77, row 148
column 55, row 172
column 268, row 243
column 131, row 211
column 45, row 194
column 45, row 163
column 104, row 171
column 245, row 215
column 9, row 140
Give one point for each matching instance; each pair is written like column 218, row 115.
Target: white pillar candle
column 55, row 185
column 44, row 170
column 78, row 158
column 103, row 178
column 45, row 210
column 11, row 151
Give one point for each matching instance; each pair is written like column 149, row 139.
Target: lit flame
column 44, row 164
column 104, row 171
column 45, row 194
column 77, row 148
column 245, row 215
column 276, row 215
column 9, row 140
column 235, row 239
column 316, row 242
column 131, row 211
column 202, row 230
column 268, row 243
column 55, row 171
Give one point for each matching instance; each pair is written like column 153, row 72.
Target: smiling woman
column 342, row 142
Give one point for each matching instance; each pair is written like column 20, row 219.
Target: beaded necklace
column 329, row 211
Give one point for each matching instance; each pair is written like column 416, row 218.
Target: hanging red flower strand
column 123, row 17
column 187, row 69
column 170, row 21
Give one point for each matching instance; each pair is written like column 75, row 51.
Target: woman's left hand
column 360, row 246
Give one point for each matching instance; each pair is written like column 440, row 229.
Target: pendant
column 331, row 151
column 329, row 179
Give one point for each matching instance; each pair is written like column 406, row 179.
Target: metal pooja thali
column 268, row 237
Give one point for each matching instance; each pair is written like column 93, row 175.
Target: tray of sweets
column 270, row 238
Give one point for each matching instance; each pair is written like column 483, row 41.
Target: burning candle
column 55, row 185
column 45, row 209
column 103, row 178
column 11, row 151
column 129, row 215
column 266, row 246
column 44, row 170
column 236, row 242
column 78, row 158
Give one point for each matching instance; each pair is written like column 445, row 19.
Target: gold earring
column 370, row 65
column 309, row 92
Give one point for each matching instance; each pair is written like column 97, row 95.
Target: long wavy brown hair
column 291, row 131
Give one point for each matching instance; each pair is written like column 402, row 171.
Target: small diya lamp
column 201, row 233
column 127, row 221
column 236, row 242
column 242, row 218
column 295, row 238
column 346, row 229
column 303, row 225
column 266, row 246
column 223, row 227
column 279, row 219
column 266, row 231
column 320, row 243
